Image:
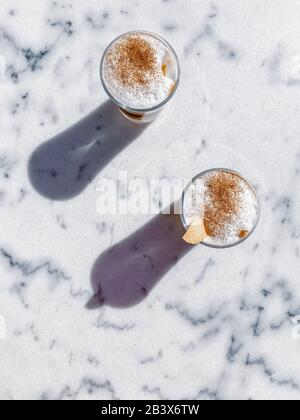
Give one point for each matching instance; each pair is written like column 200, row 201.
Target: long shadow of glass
column 125, row 274
column 62, row 168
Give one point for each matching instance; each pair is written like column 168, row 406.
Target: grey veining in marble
column 117, row 307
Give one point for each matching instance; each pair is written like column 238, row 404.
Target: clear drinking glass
column 258, row 207
column 146, row 115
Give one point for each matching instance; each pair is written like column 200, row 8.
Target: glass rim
column 254, row 189
column 161, row 104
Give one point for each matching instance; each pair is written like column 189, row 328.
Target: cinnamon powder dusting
column 243, row 234
column 132, row 62
column 222, row 203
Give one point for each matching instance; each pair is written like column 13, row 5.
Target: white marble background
column 219, row 324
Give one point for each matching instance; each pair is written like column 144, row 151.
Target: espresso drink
column 140, row 73
column 227, row 204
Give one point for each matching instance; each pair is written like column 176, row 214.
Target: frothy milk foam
column 149, row 86
column 196, row 200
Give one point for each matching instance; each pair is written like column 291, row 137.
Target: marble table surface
column 178, row 322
